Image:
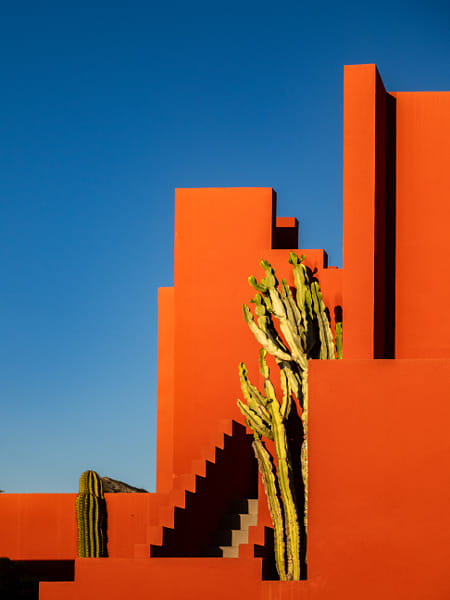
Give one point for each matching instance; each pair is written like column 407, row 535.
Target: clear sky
column 104, row 112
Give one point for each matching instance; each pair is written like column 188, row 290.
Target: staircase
column 233, row 530
column 199, row 519
column 190, row 517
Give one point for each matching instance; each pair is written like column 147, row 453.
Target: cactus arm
column 268, row 477
column 283, row 313
column 284, row 469
column 273, row 304
column 303, row 299
column 325, row 334
column 251, row 392
column 293, row 313
column 255, row 410
column 338, row 341
column 304, row 448
column 256, row 423
column 265, row 338
column 259, row 287
column 255, row 399
column 284, row 476
column 288, row 328
column 263, row 368
column 286, row 402
column 301, row 279
column 295, row 381
column 311, row 335
column 295, row 317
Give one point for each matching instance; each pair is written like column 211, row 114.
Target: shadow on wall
column 385, row 231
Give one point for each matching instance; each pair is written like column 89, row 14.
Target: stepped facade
column 379, row 448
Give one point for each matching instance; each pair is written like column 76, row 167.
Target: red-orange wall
column 396, row 154
column 221, row 235
column 38, row 526
column 378, row 502
column 44, row 526
column 423, row 218
column 359, row 209
column 165, row 415
column 379, row 479
column 369, row 215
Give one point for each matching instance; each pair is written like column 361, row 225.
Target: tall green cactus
column 292, row 330
column 91, row 517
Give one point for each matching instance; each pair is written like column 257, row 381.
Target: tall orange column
column 369, row 215
column 423, row 217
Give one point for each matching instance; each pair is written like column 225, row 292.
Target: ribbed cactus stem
column 91, row 517
column 304, row 449
column 284, row 473
column 268, row 478
column 338, row 341
column 255, row 411
column 265, row 338
column 327, row 350
column 303, row 331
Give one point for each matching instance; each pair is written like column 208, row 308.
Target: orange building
column 379, row 449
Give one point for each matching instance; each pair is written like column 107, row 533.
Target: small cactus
column 303, row 331
column 91, row 517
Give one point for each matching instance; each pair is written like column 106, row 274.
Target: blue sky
column 103, row 114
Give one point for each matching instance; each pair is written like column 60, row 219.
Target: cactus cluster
column 91, row 517
column 292, row 328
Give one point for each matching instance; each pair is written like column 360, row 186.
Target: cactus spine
column 91, row 517
column 303, row 331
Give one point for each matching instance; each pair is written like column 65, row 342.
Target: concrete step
column 234, row 528
column 240, row 521
column 244, row 506
column 230, row 551
column 230, row 537
column 159, row 579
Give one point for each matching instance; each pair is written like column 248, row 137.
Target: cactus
column 91, row 517
column 291, row 330
column 271, row 489
column 339, row 340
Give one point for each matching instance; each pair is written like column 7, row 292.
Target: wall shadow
column 385, row 224
column 391, row 225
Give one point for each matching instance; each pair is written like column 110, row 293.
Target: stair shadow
column 233, row 474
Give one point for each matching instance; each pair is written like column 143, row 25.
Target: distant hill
column 113, row 486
